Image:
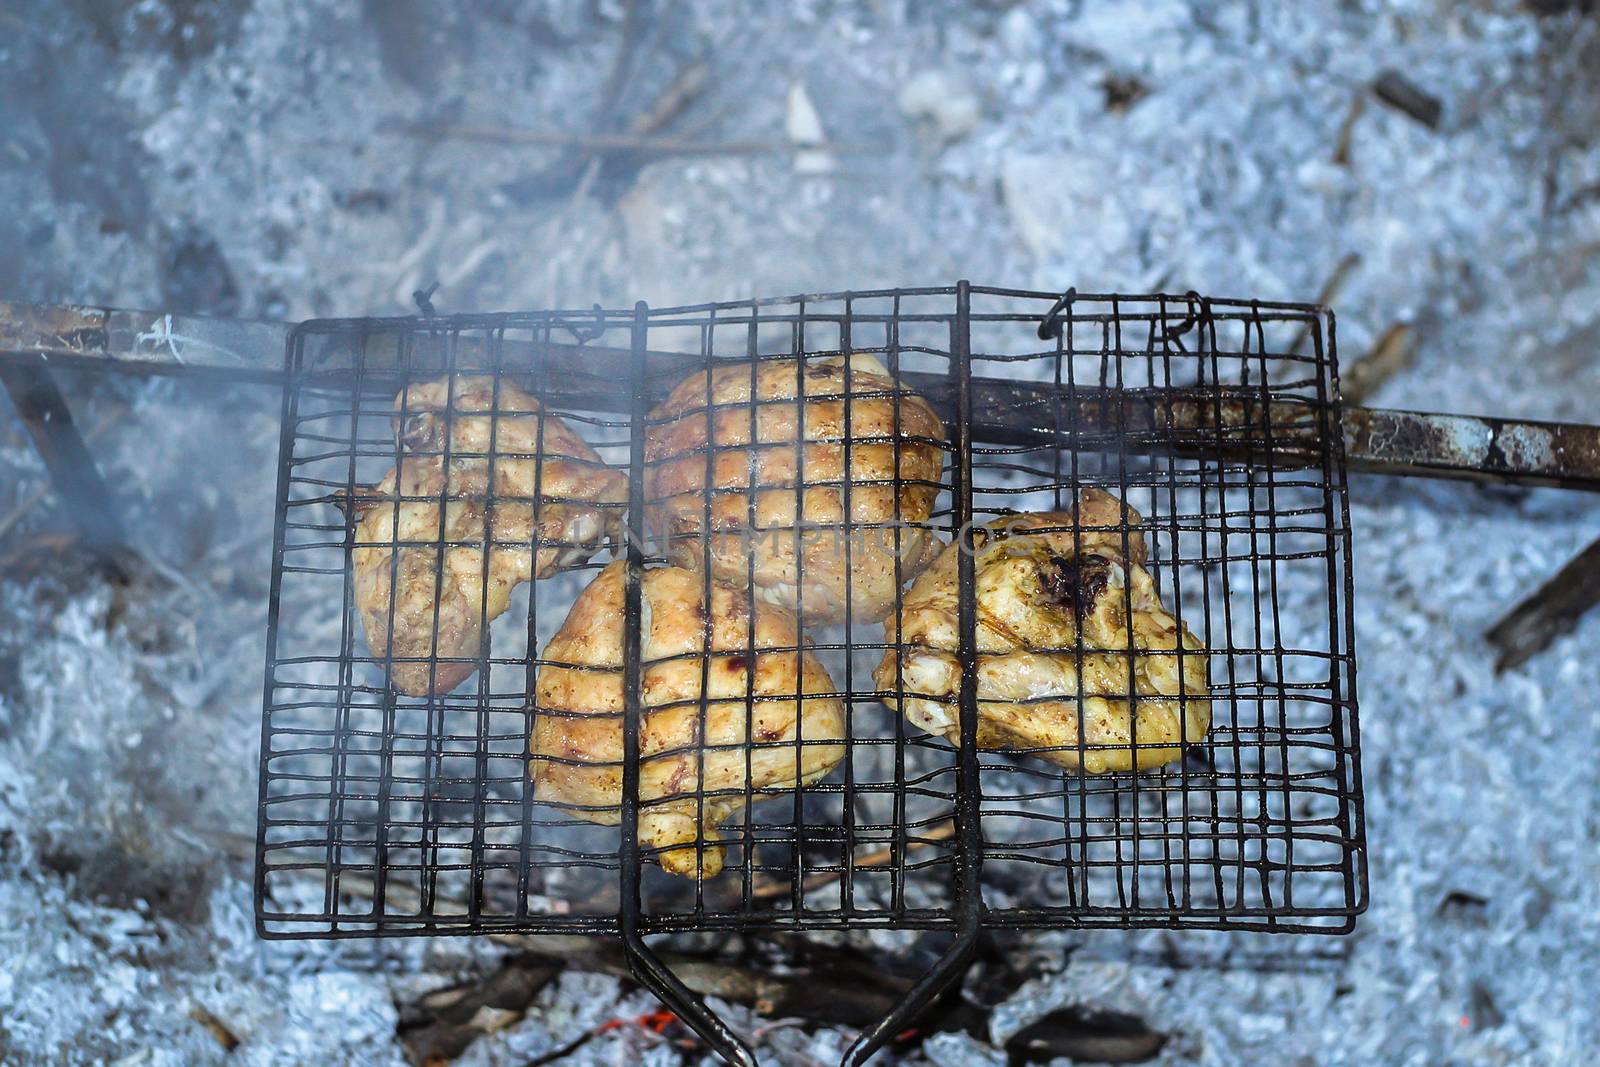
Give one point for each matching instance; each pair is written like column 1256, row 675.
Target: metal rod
column 1473, row 447
column 145, row 342
column 260, row 891
column 1342, row 639
column 969, row 786
column 629, row 872
column 1414, row 444
column 44, row 412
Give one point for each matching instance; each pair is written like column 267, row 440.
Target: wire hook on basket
column 1050, row 325
column 584, row 334
column 424, row 299
column 1187, row 323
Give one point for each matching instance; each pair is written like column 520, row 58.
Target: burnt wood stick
column 1407, row 97
column 441, row 1025
column 1553, row 610
column 1392, row 353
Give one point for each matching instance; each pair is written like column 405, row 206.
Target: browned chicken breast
column 1040, row 584
column 445, row 565
column 756, row 733
column 757, row 464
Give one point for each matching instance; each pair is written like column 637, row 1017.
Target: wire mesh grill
column 388, row 812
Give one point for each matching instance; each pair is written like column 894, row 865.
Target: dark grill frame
column 385, row 814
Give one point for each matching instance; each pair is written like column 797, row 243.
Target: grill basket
column 383, row 813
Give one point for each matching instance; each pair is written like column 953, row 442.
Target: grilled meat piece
column 439, row 554
column 1043, row 581
column 773, row 711
column 761, row 454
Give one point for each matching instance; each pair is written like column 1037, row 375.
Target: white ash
column 124, row 881
column 944, row 101
column 959, row 1050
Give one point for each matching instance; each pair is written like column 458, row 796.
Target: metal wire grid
column 384, row 813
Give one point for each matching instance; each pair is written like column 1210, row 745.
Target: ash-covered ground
column 264, row 159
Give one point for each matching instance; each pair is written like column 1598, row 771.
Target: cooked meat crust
column 1041, row 580
column 751, row 711
column 453, row 552
column 758, row 462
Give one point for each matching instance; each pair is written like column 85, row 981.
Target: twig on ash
column 1330, row 292
column 225, row 1035
column 600, row 143
column 1392, row 354
column 622, row 66
column 1552, row 611
column 1347, row 130
column 685, row 87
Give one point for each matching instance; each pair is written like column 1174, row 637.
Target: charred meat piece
column 438, row 554
column 771, row 509
column 1066, row 609
column 765, row 722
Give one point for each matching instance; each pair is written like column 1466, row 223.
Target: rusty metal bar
column 1416, row 444
column 1480, row 448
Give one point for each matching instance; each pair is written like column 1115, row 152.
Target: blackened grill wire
column 1065, row 336
column 491, row 544
column 345, row 846
column 797, row 884
column 630, row 873
column 287, row 414
column 707, row 616
column 1346, row 730
column 1174, row 534
column 901, row 839
column 847, row 808
column 529, row 692
column 346, row 637
column 752, row 464
column 1113, row 345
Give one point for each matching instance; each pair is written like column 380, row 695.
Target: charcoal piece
column 1406, row 96
column 1081, row 1033
column 1482, row 1012
column 1462, row 906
